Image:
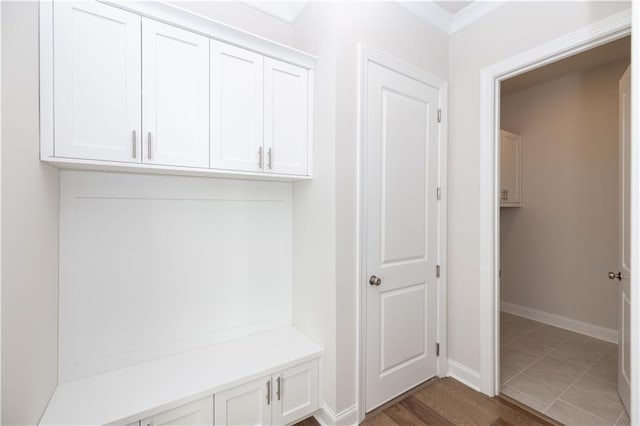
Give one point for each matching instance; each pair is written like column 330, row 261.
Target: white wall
column 557, row 249
column 29, row 229
column 155, row 265
column 510, row 29
column 333, row 31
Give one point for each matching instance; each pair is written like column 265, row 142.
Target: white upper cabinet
column 510, row 169
column 175, row 96
column 96, row 82
column 145, row 89
column 286, row 118
column 236, row 108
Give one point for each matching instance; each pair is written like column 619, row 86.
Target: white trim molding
column 445, row 21
column 577, row 326
column 366, row 55
column 463, row 374
column 327, row 417
column 609, row 29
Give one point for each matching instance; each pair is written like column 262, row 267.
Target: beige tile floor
column 569, row 377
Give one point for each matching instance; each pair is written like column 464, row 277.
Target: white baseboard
column 591, row 330
column 327, row 417
column 463, row 374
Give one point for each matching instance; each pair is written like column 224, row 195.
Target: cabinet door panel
column 96, row 82
column 510, row 169
column 236, row 108
column 286, row 118
column 296, row 393
column 196, row 413
column 244, row 405
column 175, row 82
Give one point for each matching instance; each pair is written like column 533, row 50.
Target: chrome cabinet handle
column 375, row 281
column 278, row 390
column 149, row 145
column 268, row 392
column 269, row 155
column 260, row 158
column 133, row 144
column 613, row 276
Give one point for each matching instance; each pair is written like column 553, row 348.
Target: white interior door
column 175, row 101
column 236, row 108
column 624, row 302
column 97, row 82
column 286, row 118
column 401, row 248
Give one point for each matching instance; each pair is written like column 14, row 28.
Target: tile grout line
column 573, row 383
column 559, row 398
column 521, row 372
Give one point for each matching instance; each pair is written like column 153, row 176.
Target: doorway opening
column 562, row 230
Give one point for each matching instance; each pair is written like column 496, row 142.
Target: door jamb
column 589, row 37
column 366, row 55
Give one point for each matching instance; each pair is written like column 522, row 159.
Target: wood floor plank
column 424, row 413
column 446, row 402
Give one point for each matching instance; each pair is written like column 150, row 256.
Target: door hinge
column 437, row 349
column 437, row 271
column 439, row 193
column 439, row 115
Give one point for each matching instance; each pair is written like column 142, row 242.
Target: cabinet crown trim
column 192, row 21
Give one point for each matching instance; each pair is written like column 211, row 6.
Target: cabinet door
column 510, row 169
column 295, row 393
column 236, row 108
column 196, row 413
column 175, row 101
column 96, row 82
column 286, row 118
column 244, row 405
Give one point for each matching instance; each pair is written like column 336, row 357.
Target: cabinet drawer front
column 245, row 404
column 96, row 82
column 296, row 393
column 236, row 108
column 175, row 102
column 286, row 115
column 195, row 413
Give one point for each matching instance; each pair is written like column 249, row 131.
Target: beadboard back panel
column 155, row 265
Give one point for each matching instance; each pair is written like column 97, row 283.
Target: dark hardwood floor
column 449, row 402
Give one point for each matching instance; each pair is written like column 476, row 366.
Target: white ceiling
column 610, row 52
column 447, row 15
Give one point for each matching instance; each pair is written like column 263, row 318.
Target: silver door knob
column 375, row 280
column 613, row 276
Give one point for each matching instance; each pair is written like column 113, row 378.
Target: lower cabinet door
column 295, row 393
column 245, row 405
column 195, row 413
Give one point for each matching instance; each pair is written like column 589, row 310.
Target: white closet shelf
column 145, row 389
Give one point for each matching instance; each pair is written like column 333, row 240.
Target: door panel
column 196, row 413
column 175, row 79
column 286, row 120
column 296, row 393
column 244, row 405
column 624, row 296
column 96, row 82
column 236, row 108
column 401, row 180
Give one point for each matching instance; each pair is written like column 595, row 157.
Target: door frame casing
column 367, row 55
column 583, row 39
